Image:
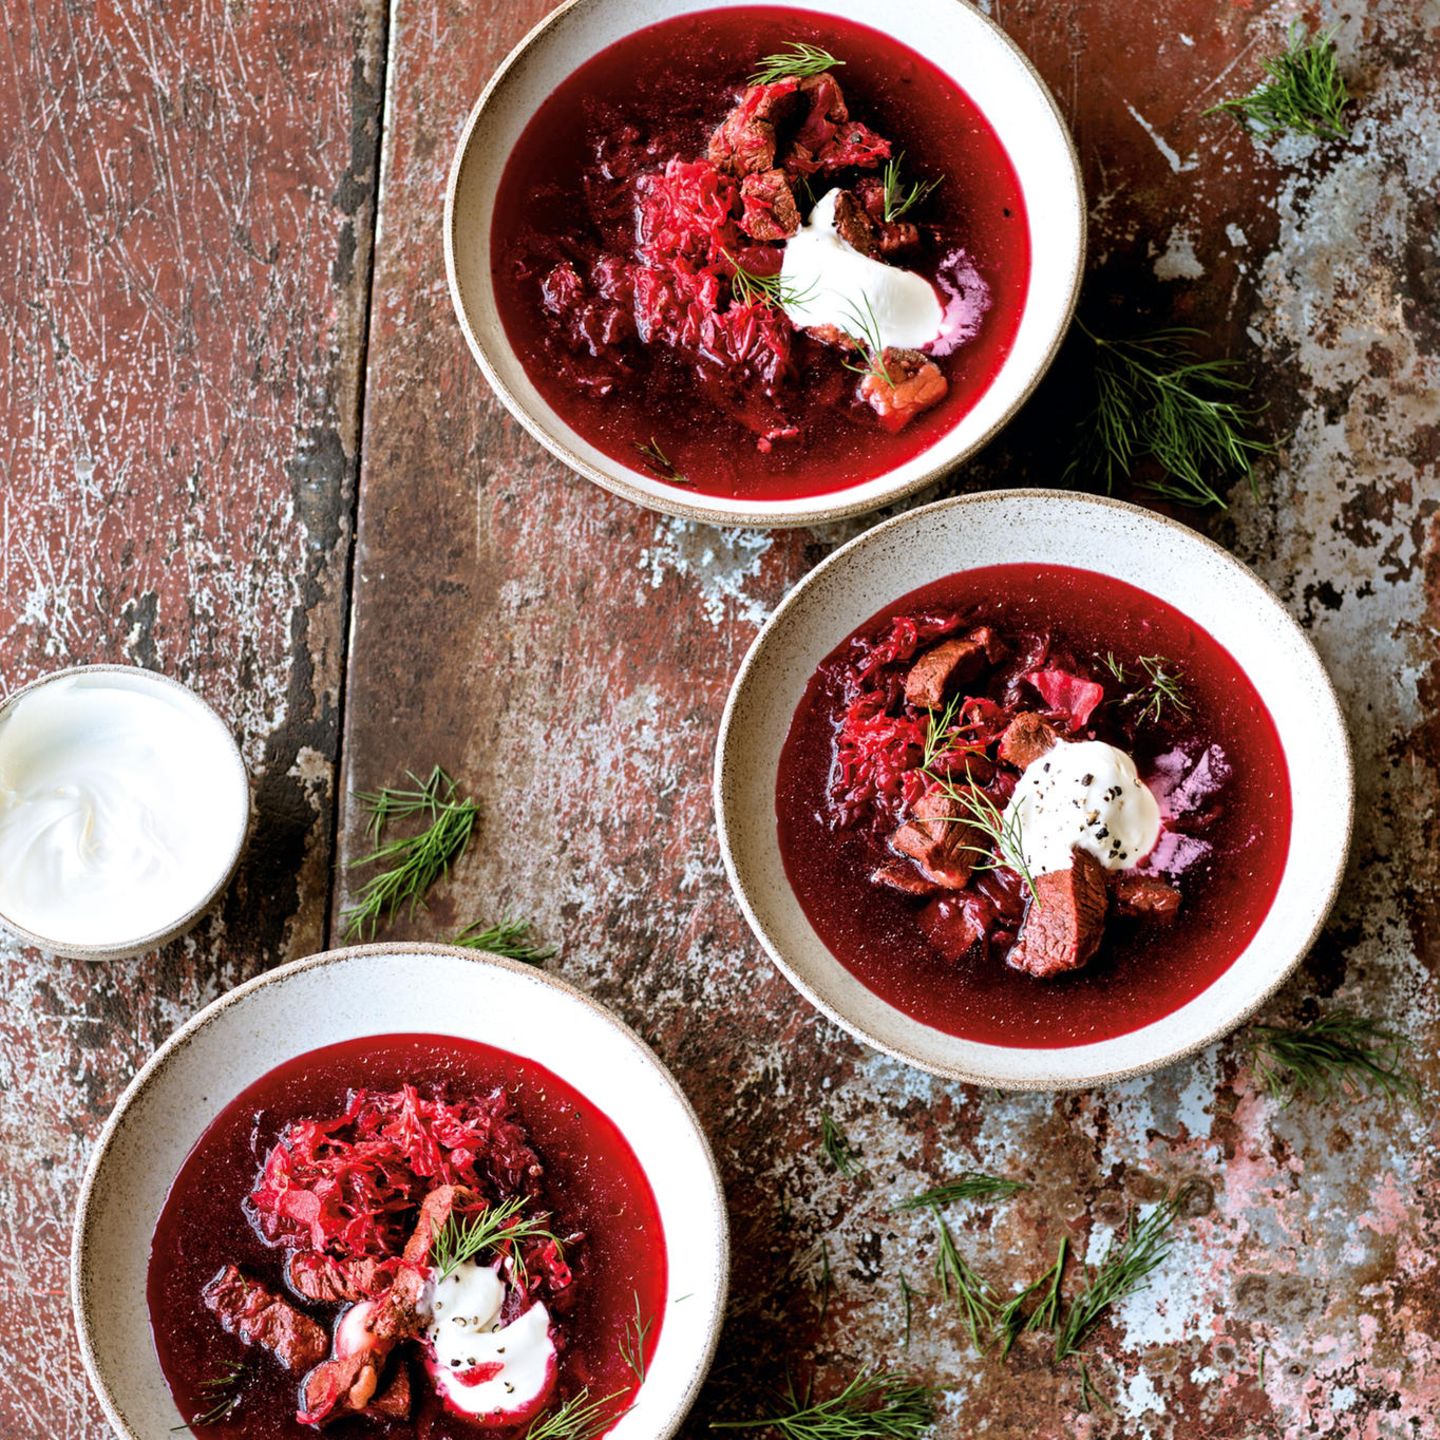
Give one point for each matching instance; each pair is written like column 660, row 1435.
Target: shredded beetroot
column 351, row 1187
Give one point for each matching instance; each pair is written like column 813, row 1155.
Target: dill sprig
column 752, row 288
column 412, row 863
column 462, row 1238
column 510, row 938
column 1304, row 91
column 1003, row 828
column 579, row 1418
column 899, row 200
column 874, row 1405
column 836, row 1147
column 907, row 1294
column 1126, row 1267
column 1011, row 1321
column 1155, row 398
column 796, row 61
column 972, row 1185
column 864, row 332
column 221, row 1393
column 944, row 737
column 632, row 1342
column 825, row 1282
column 1089, row 1394
column 1159, row 688
column 1341, row 1051
column 972, row 1293
column 659, row 461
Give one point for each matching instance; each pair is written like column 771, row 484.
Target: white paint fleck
column 718, row 562
column 1179, row 260
column 1171, row 155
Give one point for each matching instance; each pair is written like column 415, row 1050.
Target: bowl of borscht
column 764, row 264
column 400, row 1190
column 1034, row 790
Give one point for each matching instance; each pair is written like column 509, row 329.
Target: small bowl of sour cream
column 124, row 805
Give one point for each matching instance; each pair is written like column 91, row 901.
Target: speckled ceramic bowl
column 1158, row 555
column 386, row 990
column 188, row 913
column 957, row 38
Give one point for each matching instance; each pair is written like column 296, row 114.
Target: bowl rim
column 1212, row 1033
column 681, row 503
column 127, row 949
column 181, row 1036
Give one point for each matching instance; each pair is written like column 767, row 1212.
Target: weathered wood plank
column 186, row 198
column 567, row 656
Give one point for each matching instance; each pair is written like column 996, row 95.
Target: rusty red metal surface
column 189, row 209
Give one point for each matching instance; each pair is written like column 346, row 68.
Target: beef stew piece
column 939, row 840
column 1145, row 896
column 853, row 224
column 945, row 667
column 1065, row 921
column 255, row 1315
column 1027, row 737
column 329, row 1281
column 771, row 213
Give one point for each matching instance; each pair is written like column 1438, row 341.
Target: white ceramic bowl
column 1158, row 555
column 382, row 990
column 957, row 38
column 230, row 779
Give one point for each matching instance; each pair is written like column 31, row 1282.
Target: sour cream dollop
column 1084, row 794
column 834, row 284
column 482, row 1367
column 122, row 801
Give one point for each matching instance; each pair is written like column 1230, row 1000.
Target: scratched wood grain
column 567, row 657
column 186, row 197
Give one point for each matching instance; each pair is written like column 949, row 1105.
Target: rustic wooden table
column 241, row 442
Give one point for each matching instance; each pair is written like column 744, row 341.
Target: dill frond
column 836, row 1148
column 1003, row 828
column 1126, row 1268
column 579, row 1418
column 1011, row 1321
column 973, row 1294
column 972, row 1185
column 1303, row 91
column 864, row 331
column 462, row 1238
column 1340, row 1052
column 412, row 863
column 632, row 1342
column 874, row 1405
column 1156, row 399
column 749, row 287
column 899, row 200
column 796, row 61
column 659, row 461
column 510, row 938
column 1159, row 687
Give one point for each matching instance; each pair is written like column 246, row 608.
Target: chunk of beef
column 349, row 1380
column 1065, row 921
column 891, row 236
column 257, row 1316
column 393, row 1402
column 1145, row 896
column 827, row 138
column 853, row 224
column 746, row 141
column 939, row 839
column 322, row 1277
column 944, row 667
column 954, row 925
column 1069, row 695
column 770, row 209
column 1027, row 737
column 910, row 383
column 904, row 878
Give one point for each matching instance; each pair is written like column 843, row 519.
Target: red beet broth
column 593, row 1181
column 1145, row 969
column 673, row 83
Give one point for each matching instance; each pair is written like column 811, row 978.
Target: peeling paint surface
column 182, row 345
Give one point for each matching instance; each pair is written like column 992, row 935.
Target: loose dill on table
column 463, row 1237
column 632, row 1342
column 1341, row 1052
column 954, row 1276
column 797, row 61
column 1126, row 1267
column 1011, row 1321
column 898, row 199
column 1156, row 399
column 659, row 461
column 1159, row 687
column 579, row 1418
column 510, row 938
column 972, row 1185
column 836, row 1147
column 875, row 1403
column 824, row 1283
column 1303, row 91
column 907, row 1294
column 411, row 864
